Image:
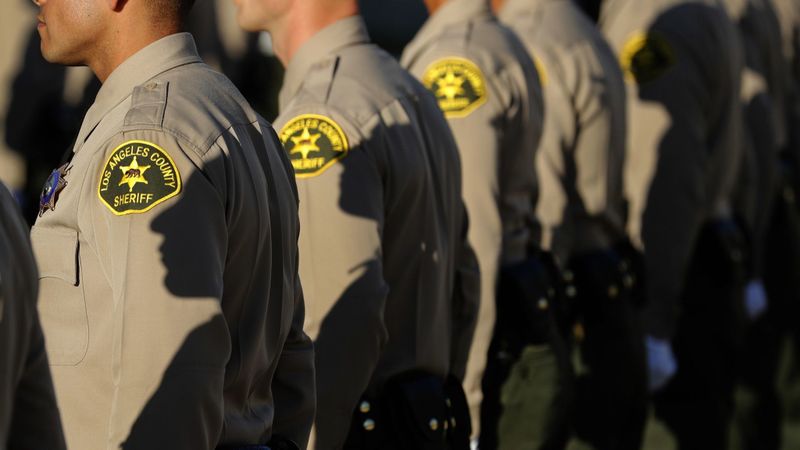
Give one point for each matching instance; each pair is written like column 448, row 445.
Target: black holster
column 722, row 252
column 527, row 292
column 413, row 410
column 596, row 278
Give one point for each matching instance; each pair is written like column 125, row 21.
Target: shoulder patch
column 645, row 57
column 458, row 84
column 137, row 176
column 314, row 143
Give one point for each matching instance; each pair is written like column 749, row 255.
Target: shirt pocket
column 62, row 305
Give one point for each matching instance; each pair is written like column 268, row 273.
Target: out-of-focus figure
column 29, row 416
column 16, row 19
column 771, row 222
column 581, row 208
column 682, row 66
column 488, row 88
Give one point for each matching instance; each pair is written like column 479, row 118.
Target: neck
column 305, row 20
column 497, row 5
column 124, row 41
column 434, row 5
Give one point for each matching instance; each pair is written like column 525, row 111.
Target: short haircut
column 178, row 9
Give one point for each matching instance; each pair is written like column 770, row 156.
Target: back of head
column 171, row 10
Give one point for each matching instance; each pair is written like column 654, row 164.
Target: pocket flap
column 56, row 253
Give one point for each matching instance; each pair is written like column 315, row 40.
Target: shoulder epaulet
column 148, row 103
column 320, row 78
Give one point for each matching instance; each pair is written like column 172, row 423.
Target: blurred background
column 42, row 105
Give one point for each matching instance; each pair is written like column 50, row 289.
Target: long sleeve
column 295, row 404
column 341, row 267
column 170, row 342
column 466, row 303
column 36, row 422
column 684, row 148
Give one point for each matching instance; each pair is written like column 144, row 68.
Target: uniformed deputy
column 788, row 256
column 487, row 86
column 762, row 96
column 681, row 65
column 28, row 411
column 391, row 286
column 761, row 205
column 761, row 406
column 169, row 293
column 581, row 211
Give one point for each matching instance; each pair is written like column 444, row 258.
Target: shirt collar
column 342, row 33
column 160, row 56
column 451, row 13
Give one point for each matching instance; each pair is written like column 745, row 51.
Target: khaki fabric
column 390, row 283
column 497, row 140
column 179, row 326
column 682, row 67
column 28, row 411
column 581, row 155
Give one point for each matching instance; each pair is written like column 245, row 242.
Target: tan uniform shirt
column 169, row 292
column 383, row 226
column 581, row 156
column 487, row 86
column 681, row 66
column 28, row 412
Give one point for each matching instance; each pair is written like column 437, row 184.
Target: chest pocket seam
column 62, row 309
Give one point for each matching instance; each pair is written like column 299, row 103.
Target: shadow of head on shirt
column 685, row 69
column 225, row 253
column 353, row 323
column 394, row 192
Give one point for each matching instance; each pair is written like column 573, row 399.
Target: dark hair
column 178, row 9
column 184, row 7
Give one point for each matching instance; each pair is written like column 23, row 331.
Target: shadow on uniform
column 697, row 403
column 359, row 306
column 176, row 385
column 179, row 251
column 402, row 384
column 757, row 423
column 330, row 348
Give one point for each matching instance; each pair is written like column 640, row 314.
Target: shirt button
column 369, row 424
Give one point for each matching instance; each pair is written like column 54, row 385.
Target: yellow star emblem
column 133, row 174
column 450, row 86
column 305, row 143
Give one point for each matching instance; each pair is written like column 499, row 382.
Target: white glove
column 661, row 364
column 755, row 299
